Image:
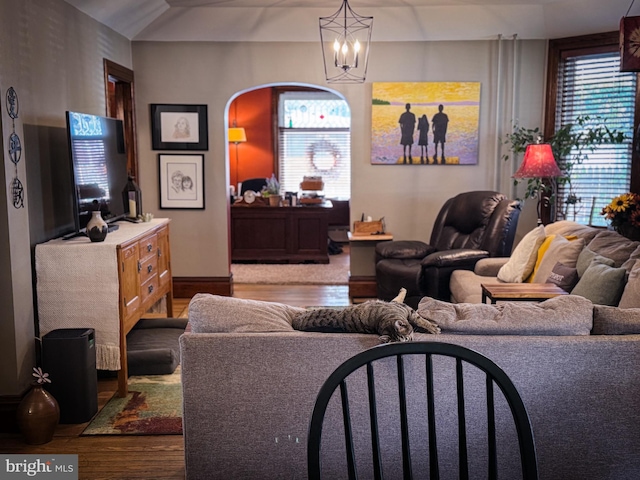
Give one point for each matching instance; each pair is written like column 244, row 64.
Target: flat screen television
column 99, row 167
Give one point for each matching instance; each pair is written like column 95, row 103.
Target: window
column 314, row 140
column 588, row 82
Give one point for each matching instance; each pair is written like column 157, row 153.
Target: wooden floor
column 160, row 456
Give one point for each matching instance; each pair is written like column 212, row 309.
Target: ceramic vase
column 38, row 415
column 97, row 228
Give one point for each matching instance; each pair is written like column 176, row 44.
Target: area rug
column 152, row 407
column 336, row 272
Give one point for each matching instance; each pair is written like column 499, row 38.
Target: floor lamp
column 538, row 162
column 237, row 135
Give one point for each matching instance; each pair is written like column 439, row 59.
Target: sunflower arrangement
column 624, row 210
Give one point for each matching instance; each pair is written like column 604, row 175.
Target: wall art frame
column 181, row 181
column 179, row 127
column 425, row 123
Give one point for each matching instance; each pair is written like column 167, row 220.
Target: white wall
column 52, row 55
column 408, row 197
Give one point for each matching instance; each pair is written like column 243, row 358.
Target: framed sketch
column 179, row 127
column 425, row 123
column 181, row 181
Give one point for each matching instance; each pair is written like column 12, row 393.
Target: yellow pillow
column 541, row 251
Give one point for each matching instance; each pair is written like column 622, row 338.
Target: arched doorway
column 291, row 131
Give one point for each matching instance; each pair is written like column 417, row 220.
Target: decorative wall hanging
column 15, row 147
column 425, row 123
column 630, row 44
column 181, row 181
column 179, row 127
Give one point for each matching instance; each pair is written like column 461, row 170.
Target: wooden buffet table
column 280, row 234
column 107, row 286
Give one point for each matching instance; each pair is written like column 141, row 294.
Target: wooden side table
column 362, row 274
column 529, row 292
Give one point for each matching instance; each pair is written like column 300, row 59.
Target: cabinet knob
column 159, row 253
column 149, row 268
column 150, row 288
column 149, row 247
column 139, row 266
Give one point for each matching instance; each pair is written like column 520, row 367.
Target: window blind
column 592, row 85
column 314, row 139
column 316, row 152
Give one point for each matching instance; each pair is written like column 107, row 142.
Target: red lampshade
column 538, row 162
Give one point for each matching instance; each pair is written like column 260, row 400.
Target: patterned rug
column 152, row 407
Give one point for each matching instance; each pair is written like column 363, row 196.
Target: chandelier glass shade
column 345, row 37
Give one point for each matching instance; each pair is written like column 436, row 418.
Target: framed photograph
column 181, row 181
column 425, row 123
column 179, row 127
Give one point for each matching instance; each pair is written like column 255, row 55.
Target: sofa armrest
column 454, row 258
column 403, row 249
column 489, row 267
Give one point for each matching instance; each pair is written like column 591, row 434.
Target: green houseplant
column 571, row 146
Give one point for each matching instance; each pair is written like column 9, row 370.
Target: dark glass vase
column 630, row 231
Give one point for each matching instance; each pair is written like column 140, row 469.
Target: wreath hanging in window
column 324, row 158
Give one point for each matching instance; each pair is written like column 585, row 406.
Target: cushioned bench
column 152, row 346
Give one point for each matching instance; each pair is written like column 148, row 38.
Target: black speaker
column 69, row 357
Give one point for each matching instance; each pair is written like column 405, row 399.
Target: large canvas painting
column 425, row 123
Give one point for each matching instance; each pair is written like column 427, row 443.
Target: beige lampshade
column 237, row 135
column 538, row 162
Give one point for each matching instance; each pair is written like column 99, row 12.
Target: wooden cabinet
column 280, row 234
column 107, row 286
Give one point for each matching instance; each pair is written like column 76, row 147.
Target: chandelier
column 345, row 37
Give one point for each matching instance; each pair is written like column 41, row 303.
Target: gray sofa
column 250, row 382
column 619, row 251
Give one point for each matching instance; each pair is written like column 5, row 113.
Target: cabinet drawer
column 149, row 290
column 148, row 268
column 148, row 247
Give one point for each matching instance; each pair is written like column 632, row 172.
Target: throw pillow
column 565, row 277
column 217, row 314
column 615, row 321
column 561, row 250
column 586, row 257
column 612, row 245
column 562, row 315
column 631, row 294
column 601, row 284
column 541, row 251
column 523, row 258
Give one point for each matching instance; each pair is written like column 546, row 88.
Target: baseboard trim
column 363, row 287
column 8, row 409
column 187, row 287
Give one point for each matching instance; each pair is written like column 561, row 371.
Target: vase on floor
column 97, row 228
column 37, row 416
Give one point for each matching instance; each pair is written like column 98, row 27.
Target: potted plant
column 272, row 191
column 571, row 146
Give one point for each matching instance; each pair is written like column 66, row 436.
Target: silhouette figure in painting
column 439, row 121
column 407, row 126
column 423, row 138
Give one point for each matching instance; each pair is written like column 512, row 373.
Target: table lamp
column 538, row 162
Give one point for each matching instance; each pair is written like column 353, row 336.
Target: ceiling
column 394, row 20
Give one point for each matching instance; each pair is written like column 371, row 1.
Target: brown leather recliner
column 470, row 226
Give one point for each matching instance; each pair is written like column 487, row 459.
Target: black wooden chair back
column 415, row 360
